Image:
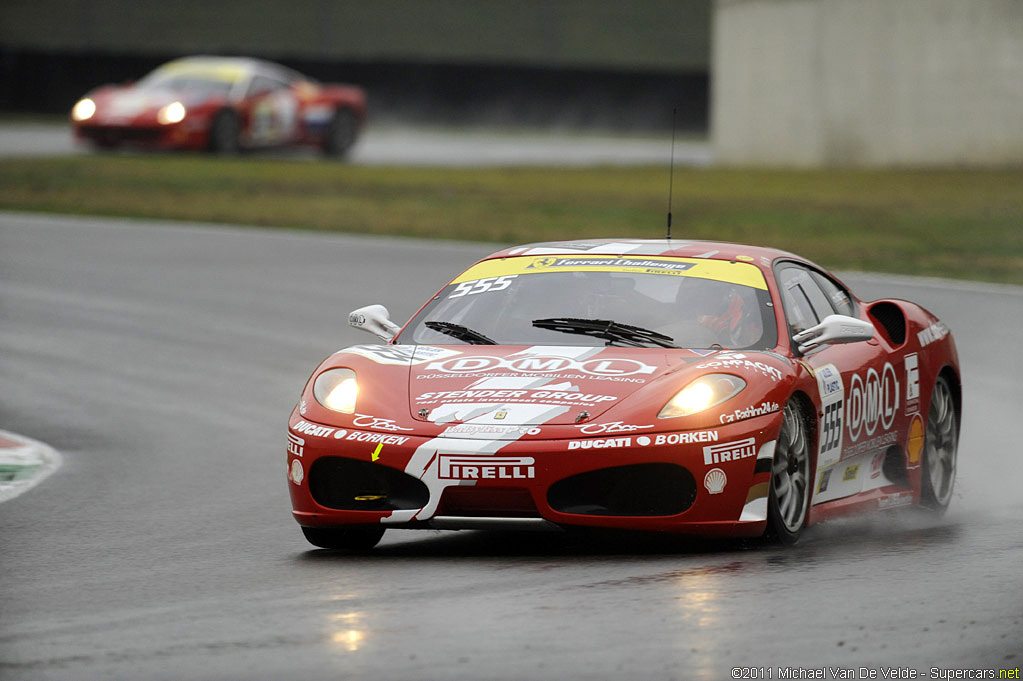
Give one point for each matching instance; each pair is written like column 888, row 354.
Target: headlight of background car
column 83, row 109
column 702, row 394
column 337, row 389
column 172, row 113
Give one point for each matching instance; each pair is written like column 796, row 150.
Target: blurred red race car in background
column 222, row 104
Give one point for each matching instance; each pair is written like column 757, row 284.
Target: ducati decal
column 307, row 428
column 660, row 439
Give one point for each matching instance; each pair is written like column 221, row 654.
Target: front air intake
column 648, row 489
column 350, row 485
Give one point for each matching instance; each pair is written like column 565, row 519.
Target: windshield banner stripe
column 743, row 274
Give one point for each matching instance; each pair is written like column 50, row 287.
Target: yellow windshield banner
column 214, row 71
column 741, row 273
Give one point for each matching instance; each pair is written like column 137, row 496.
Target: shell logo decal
column 715, row 481
column 915, row 445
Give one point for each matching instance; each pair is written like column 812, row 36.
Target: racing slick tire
column 941, row 442
column 351, row 538
column 225, row 131
column 789, row 496
column 341, row 134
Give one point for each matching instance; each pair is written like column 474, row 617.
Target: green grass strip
column 963, row 224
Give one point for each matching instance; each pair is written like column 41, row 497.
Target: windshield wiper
column 462, row 333
column 612, row 332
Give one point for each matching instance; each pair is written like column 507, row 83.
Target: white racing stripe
column 425, row 464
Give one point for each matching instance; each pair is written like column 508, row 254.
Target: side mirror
column 374, row 319
column 835, row 328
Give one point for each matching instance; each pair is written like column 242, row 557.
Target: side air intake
column 888, row 317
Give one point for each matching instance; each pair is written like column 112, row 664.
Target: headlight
column 702, row 394
column 83, row 110
column 172, row 113
column 337, row 389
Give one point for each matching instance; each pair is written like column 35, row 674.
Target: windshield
column 694, row 303
column 193, row 79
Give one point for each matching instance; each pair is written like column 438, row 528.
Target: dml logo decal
column 872, row 401
column 542, row 364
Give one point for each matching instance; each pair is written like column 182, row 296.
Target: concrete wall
column 867, row 82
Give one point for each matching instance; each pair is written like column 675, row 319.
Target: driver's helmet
column 726, row 309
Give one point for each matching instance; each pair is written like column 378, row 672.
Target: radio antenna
column 671, row 168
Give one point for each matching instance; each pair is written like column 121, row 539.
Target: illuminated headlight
column 337, row 390
column 702, row 394
column 83, row 110
column 172, row 113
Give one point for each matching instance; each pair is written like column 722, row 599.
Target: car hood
column 500, row 392
column 522, row 385
column 128, row 102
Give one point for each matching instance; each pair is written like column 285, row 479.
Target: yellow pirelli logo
column 743, row 274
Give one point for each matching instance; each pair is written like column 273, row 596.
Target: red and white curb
column 24, row 463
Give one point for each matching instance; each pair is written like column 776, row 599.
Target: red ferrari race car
column 692, row 387
column 224, row 105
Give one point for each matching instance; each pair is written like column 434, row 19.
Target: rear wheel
column 351, row 538
column 224, row 133
column 941, row 443
column 340, row 134
column 789, row 495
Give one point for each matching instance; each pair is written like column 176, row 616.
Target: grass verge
column 963, row 224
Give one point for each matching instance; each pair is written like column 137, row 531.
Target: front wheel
column 341, row 134
column 351, row 538
column 941, row 443
column 789, row 495
column 225, row 132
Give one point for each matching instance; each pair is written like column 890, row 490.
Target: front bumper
column 712, row 482
column 185, row 135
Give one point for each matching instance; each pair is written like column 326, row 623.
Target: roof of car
column 242, row 64
column 678, row 248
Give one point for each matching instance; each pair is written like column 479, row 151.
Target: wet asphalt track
column 412, row 146
column 162, row 362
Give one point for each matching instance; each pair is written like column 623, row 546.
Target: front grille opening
column 649, row 489
column 486, row 502
column 350, row 485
